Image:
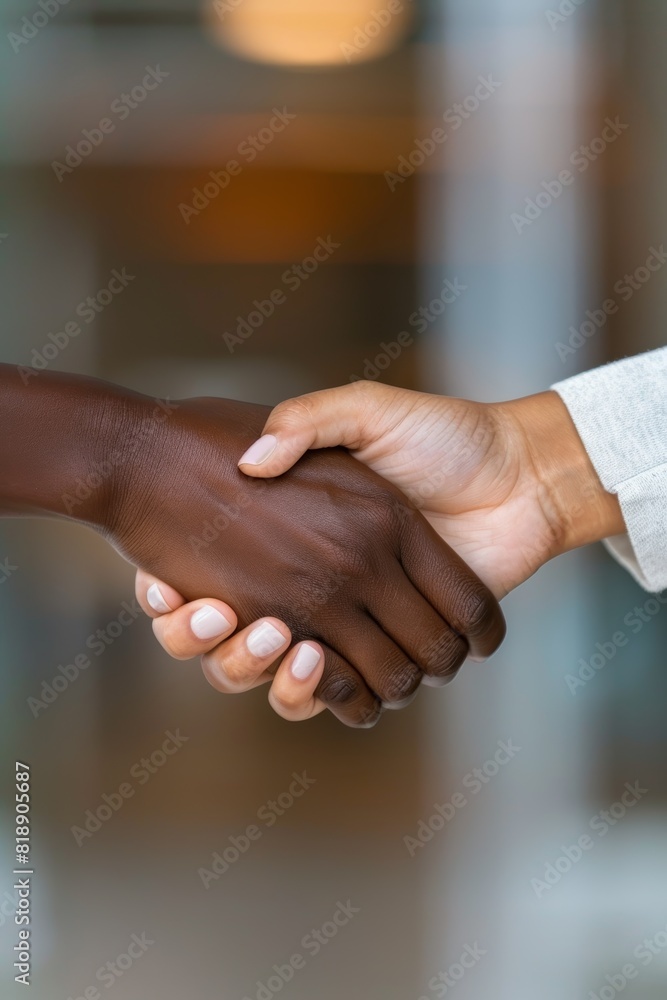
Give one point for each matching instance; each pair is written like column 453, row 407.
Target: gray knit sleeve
column 620, row 411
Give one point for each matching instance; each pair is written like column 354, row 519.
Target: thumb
column 318, row 420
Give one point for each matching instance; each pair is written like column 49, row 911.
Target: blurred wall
column 324, row 176
column 532, row 287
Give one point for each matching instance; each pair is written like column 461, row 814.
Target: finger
column 345, row 693
column 194, row 628
column 449, row 584
column 154, row 596
column 246, row 659
column 292, row 693
column 415, row 626
column 318, row 420
column 386, row 669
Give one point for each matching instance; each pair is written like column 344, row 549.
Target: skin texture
column 330, row 549
column 509, row 486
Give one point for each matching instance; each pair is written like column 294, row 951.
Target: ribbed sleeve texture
column 620, row 412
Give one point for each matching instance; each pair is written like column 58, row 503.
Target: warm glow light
column 309, row 32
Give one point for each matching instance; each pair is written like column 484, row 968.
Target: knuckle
column 354, row 562
column 231, row 675
column 370, row 537
column 240, row 673
column 286, row 699
column 176, row 643
column 389, row 517
column 310, row 595
column 443, row 654
column 399, row 683
column 364, row 388
column 367, row 717
column 294, row 411
column 312, row 591
column 405, row 513
column 339, row 689
column 477, row 609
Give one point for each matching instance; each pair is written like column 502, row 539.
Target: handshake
column 352, row 543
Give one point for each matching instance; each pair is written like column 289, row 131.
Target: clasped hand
column 334, row 569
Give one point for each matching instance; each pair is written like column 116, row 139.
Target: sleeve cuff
column 620, row 412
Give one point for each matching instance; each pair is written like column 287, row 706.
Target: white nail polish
column 208, row 623
column 259, row 451
column 264, row 640
column 156, row 600
column 305, row 662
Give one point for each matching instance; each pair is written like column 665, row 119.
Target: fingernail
column 208, row 623
column 305, row 662
column 264, row 640
column 259, row 451
column 156, row 600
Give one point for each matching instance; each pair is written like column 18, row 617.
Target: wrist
column 578, row 508
column 66, row 438
column 110, row 454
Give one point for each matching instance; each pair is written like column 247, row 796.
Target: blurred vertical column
column 47, row 267
column 524, row 287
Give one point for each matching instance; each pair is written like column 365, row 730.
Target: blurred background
column 267, row 128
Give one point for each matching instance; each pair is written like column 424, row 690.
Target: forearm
column 56, row 429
